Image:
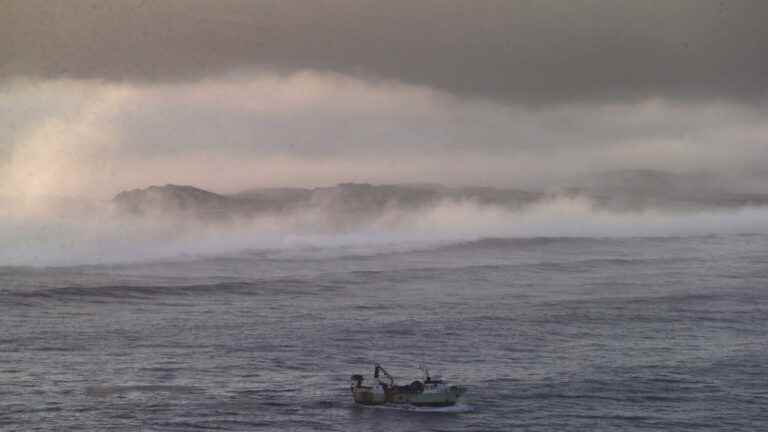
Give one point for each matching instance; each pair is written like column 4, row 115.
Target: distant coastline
column 628, row 191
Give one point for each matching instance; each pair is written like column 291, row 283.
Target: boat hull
column 370, row 396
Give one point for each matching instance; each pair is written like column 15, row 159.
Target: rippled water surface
column 547, row 334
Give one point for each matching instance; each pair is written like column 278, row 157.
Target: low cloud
column 92, row 139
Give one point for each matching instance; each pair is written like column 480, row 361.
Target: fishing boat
column 431, row 392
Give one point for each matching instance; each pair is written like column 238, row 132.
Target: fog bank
column 102, row 236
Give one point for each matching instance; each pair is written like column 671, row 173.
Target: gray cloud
column 532, row 52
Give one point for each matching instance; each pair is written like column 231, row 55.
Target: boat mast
column 424, row 369
column 386, row 374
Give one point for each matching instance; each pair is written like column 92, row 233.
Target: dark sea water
column 547, row 335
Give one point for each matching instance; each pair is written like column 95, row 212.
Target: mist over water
column 100, row 234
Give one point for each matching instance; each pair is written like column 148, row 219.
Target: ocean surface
column 547, row 334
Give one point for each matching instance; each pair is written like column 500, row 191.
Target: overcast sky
column 97, row 96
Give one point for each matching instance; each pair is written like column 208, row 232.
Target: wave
column 110, row 390
column 127, row 293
